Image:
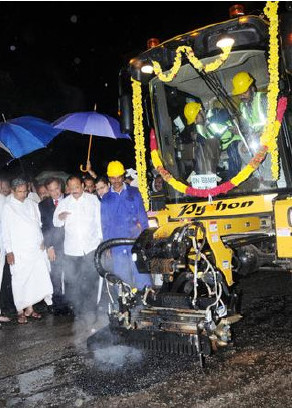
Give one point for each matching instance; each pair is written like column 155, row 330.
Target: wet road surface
column 46, row 363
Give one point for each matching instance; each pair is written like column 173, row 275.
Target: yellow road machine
column 226, row 162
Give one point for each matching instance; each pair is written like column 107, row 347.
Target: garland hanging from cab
column 140, row 151
column 196, row 63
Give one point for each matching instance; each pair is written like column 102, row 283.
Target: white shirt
column 34, row 197
column 58, row 199
column 83, row 231
column 21, row 226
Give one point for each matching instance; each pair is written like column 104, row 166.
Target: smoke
column 116, row 357
column 81, row 283
column 88, row 324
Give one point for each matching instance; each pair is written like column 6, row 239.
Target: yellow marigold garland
column 273, row 126
column 197, row 64
column 140, row 151
column 156, row 159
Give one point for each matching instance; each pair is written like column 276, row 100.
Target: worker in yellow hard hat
column 253, row 110
column 253, row 104
column 116, row 175
column 191, row 111
column 241, row 83
column 206, row 149
column 115, row 169
column 123, row 216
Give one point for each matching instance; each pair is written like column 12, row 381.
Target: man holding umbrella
column 123, row 216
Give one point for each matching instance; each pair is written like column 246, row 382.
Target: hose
column 103, row 247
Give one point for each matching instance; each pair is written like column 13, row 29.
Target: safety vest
column 255, row 114
column 220, row 130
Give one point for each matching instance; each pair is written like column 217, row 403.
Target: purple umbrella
column 91, row 123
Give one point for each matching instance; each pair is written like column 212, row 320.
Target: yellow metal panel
column 223, row 255
column 283, row 228
column 227, row 207
column 238, row 225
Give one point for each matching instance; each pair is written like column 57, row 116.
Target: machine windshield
column 210, row 127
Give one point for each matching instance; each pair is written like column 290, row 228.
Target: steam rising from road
column 116, row 357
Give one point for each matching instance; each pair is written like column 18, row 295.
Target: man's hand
column 10, row 258
column 51, row 254
column 63, row 215
column 89, row 169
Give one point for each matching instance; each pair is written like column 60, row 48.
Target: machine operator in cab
column 215, row 134
column 253, row 105
column 253, row 110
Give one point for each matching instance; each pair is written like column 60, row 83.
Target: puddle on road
column 49, row 386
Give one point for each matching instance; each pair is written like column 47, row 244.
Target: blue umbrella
column 26, row 134
column 91, row 123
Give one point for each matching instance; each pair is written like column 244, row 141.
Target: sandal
column 29, row 312
column 22, row 319
column 36, row 315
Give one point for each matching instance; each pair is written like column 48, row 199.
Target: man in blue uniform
column 123, row 216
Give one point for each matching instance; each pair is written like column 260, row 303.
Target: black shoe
column 50, row 309
column 64, row 310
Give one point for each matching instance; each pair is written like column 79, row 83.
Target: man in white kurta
column 23, row 244
column 79, row 213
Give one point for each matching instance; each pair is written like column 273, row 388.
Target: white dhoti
column 30, row 279
column 22, row 236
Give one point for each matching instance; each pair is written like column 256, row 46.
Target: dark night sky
column 61, row 57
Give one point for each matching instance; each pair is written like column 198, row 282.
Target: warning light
column 289, row 39
column 152, row 42
column 236, row 11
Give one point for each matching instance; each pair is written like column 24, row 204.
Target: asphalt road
column 46, row 363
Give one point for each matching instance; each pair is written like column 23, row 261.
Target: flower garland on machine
column 140, row 149
column 138, row 109
column 275, row 114
column 197, row 64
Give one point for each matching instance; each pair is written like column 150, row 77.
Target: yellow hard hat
column 241, row 82
column 115, row 169
column 191, row 111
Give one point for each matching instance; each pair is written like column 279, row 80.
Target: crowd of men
column 49, row 239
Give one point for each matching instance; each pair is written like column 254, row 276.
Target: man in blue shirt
column 123, row 216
